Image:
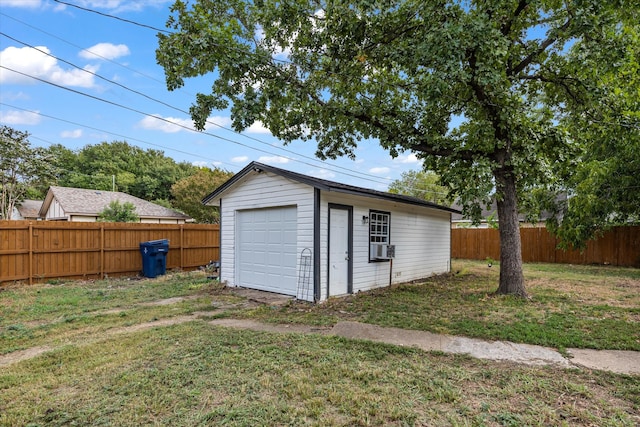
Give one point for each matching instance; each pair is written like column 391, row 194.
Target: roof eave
column 321, row 185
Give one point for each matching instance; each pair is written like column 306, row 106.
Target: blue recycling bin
column 154, row 257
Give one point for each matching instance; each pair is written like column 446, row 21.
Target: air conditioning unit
column 382, row 251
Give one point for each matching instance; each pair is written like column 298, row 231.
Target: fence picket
column 39, row 250
column 619, row 246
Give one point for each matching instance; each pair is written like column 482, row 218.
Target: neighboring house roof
column 30, row 208
column 321, row 184
column 492, row 211
column 80, row 201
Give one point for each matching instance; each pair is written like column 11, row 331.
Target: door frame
column 349, row 210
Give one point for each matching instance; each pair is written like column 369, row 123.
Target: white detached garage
column 294, row 234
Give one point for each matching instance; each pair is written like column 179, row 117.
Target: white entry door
column 339, row 251
column 267, row 249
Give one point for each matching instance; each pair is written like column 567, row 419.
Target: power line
column 114, row 17
column 170, row 122
column 129, row 138
column 72, row 171
column 187, row 113
column 376, row 178
column 82, row 49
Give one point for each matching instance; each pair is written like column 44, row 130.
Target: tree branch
column 506, row 27
column 541, row 48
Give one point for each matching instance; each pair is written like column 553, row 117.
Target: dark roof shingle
column 323, row 184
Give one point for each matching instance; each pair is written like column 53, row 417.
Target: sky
column 85, row 72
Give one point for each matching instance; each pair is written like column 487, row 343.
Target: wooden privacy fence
column 619, row 246
column 38, row 250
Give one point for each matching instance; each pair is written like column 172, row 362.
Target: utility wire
column 162, row 102
column 129, row 138
column 186, row 112
column 86, row 9
column 26, row 24
column 169, row 121
column 46, row 141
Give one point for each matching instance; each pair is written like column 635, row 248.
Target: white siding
column 55, row 211
column 422, row 237
column 263, row 190
column 149, row 220
column 82, row 218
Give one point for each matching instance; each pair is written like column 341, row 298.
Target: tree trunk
column 511, row 276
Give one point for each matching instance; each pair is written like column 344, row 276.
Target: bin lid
column 155, row 242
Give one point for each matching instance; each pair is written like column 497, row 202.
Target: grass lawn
column 193, row 373
column 569, row 306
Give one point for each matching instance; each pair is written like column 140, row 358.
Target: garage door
column 267, row 249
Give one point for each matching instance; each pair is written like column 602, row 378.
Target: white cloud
column 75, row 133
column 13, row 96
column 273, row 159
column 20, row 117
column 199, row 163
column 407, row 159
column 175, row 124
column 105, row 51
column 34, row 62
column 27, row 4
column 322, row 174
column 215, row 122
column 111, row 5
column 258, row 127
column 379, row 170
column 165, row 124
column 240, row 159
column 122, row 5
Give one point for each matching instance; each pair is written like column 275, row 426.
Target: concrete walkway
column 622, row 362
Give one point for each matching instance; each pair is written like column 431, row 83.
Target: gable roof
column 29, row 208
column 321, row 184
column 81, row 201
column 492, row 211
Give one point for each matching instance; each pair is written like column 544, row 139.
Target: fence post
column 181, row 246
column 101, row 250
column 30, row 253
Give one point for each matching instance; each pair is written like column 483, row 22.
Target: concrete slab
column 491, row 350
column 619, row 361
column 424, row 340
column 262, row 297
column 506, row 351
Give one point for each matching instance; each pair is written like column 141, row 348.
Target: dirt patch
column 169, row 301
column 625, row 362
column 20, row 355
column 148, row 325
column 622, row 293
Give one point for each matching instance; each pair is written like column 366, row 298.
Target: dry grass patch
column 570, row 306
column 196, row 374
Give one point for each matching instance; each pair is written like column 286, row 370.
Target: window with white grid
column 379, row 229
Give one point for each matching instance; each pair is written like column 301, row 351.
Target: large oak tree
column 488, row 93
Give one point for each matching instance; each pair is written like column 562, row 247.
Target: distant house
column 489, row 217
column 82, row 205
column 27, row 210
